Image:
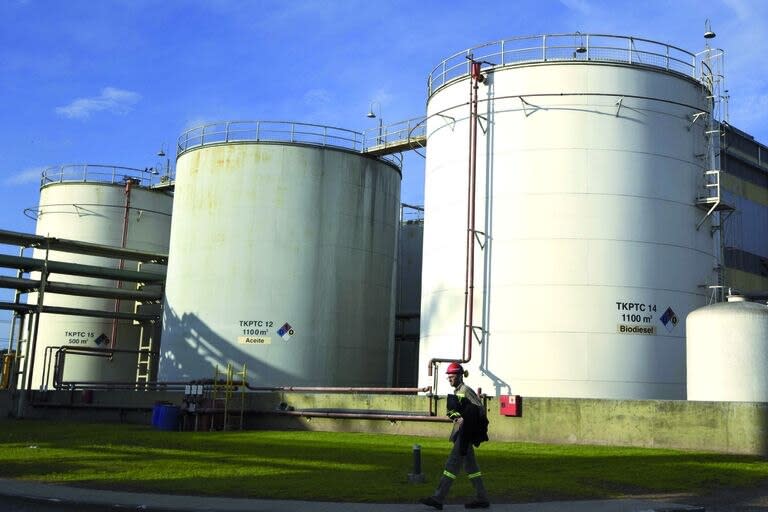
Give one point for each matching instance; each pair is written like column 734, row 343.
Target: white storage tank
column 727, row 352
column 590, row 155
column 282, row 257
column 101, row 204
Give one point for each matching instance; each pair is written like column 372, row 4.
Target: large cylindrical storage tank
column 727, row 352
column 282, row 257
column 107, row 205
column 408, row 296
column 590, row 155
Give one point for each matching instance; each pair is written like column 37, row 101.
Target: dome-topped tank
column 727, row 352
column 589, row 159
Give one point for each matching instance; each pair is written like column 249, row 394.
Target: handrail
column 223, row 132
column 268, row 131
column 394, row 133
column 98, row 173
column 564, row 47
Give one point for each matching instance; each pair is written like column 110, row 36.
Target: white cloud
column 111, row 99
column 25, row 177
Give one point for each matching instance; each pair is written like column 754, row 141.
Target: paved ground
column 22, row 497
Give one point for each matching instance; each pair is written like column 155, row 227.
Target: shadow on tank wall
column 201, row 342
column 480, row 354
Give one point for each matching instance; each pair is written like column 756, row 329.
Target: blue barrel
column 156, row 412
column 167, row 417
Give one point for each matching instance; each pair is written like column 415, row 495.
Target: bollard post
column 417, row 477
column 416, row 459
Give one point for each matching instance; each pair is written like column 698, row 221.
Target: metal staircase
column 710, row 199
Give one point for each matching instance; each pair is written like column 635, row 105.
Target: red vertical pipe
column 470, row 284
column 469, row 271
column 124, row 239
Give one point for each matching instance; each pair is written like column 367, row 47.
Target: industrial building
column 584, row 195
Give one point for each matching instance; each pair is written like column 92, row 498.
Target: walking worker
column 470, row 427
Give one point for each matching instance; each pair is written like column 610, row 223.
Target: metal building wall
column 745, row 182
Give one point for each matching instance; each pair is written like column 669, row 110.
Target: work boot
column 431, row 502
column 477, row 504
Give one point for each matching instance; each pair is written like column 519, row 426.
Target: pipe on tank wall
column 469, row 272
column 126, row 217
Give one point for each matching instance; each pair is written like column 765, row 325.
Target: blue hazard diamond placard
column 286, row 331
column 669, row 319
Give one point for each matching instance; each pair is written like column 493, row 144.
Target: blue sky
column 111, row 81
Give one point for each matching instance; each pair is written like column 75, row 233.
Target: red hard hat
column 454, row 368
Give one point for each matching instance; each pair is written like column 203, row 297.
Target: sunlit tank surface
column 589, row 160
column 727, row 352
column 88, row 203
column 282, row 257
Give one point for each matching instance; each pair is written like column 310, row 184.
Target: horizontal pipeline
column 236, row 383
column 361, row 416
column 320, row 389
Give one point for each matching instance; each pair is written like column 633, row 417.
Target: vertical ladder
column 710, row 200
column 146, row 363
column 222, row 394
column 144, row 370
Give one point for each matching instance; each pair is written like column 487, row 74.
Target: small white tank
column 727, row 352
column 93, row 203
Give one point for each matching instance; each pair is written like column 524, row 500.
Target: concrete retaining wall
column 728, row 427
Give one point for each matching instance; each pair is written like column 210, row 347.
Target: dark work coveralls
column 470, row 427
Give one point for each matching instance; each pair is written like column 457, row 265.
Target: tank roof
column 558, row 48
column 98, row 173
column 228, row 132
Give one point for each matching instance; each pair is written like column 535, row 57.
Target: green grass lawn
column 345, row 467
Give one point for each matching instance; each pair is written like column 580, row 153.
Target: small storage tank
column 282, row 257
column 590, row 154
column 727, row 352
column 108, row 205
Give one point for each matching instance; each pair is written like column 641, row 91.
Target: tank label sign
column 254, row 340
column 258, row 332
column 636, row 318
column 641, row 318
column 79, row 337
column 256, row 327
column 669, row 319
column 286, row 331
column 636, row 329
